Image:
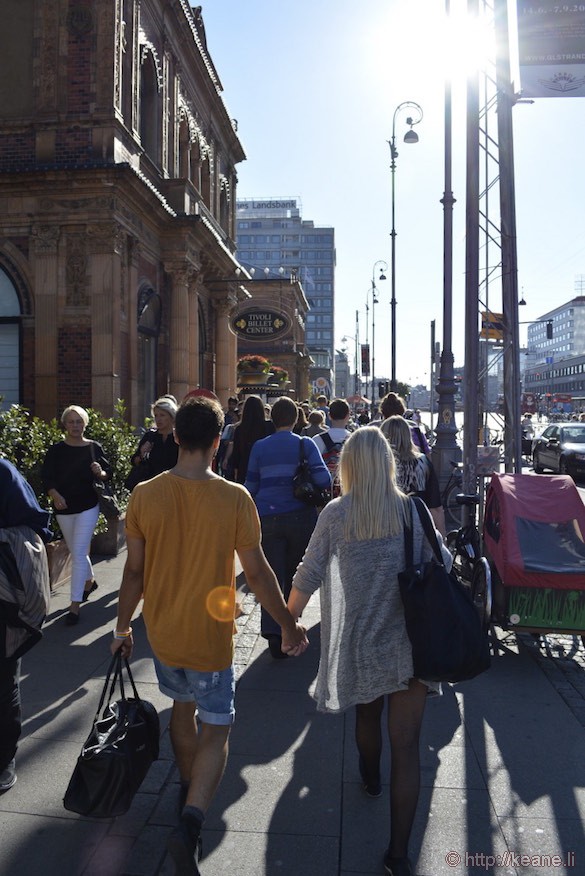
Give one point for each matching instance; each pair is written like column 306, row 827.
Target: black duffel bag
column 117, row 754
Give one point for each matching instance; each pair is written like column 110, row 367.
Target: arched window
column 150, row 117
column 9, row 342
column 149, row 318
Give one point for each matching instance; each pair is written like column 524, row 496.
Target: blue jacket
column 272, row 467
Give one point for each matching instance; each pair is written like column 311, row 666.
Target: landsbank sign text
column 260, row 324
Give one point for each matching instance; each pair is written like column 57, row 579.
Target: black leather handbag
column 117, row 754
column 106, row 501
column 447, row 637
column 303, row 487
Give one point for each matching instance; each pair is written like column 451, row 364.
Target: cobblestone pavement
column 562, row 659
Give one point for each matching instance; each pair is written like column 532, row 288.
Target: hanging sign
column 260, row 325
column 551, row 47
column 365, row 350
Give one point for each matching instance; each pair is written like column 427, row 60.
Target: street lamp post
column 383, row 267
column 410, row 137
column 445, row 449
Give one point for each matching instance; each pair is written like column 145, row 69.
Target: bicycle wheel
column 452, row 507
column 481, row 590
column 460, row 551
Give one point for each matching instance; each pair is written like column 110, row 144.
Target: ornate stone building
column 272, row 324
column 118, row 275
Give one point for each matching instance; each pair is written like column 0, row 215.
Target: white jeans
column 77, row 531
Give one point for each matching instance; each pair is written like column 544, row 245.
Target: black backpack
column 25, row 590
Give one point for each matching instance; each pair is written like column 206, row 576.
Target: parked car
column 561, row 448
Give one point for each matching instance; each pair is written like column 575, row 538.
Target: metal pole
column 373, row 343
column 511, row 334
column 445, row 449
column 393, row 153
column 410, row 137
column 432, row 374
column 356, row 384
column 471, row 429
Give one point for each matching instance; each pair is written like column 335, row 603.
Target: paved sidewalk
column 502, row 766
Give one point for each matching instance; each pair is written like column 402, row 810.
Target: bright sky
column 314, row 85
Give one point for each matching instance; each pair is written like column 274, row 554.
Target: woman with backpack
column 415, row 473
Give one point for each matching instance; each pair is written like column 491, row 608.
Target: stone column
column 134, row 414
column 195, row 378
column 104, row 247
column 179, row 360
column 225, row 347
column 45, row 241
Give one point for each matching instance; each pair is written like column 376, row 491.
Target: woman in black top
column 252, row 427
column 69, row 470
column 157, row 450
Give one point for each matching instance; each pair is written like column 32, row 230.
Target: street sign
column 492, row 326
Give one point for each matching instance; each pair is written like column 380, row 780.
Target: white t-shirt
column 337, row 435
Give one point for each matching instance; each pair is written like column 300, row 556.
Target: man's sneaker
column 184, row 851
column 8, row 777
column 397, row 866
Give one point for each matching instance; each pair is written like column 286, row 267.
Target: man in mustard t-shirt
column 182, row 529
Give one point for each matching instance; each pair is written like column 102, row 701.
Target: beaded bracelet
column 122, row 635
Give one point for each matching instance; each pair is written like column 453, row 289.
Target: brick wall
column 74, row 366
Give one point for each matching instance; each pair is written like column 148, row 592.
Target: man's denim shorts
column 213, row 692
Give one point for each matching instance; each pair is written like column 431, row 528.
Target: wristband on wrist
column 121, row 634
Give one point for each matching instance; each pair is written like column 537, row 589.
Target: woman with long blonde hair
column 415, row 474
column 353, row 558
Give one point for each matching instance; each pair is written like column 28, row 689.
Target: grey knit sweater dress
column 365, row 650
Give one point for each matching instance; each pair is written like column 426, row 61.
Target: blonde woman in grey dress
column 353, row 558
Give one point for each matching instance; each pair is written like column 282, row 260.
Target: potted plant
column 252, row 369
column 279, row 375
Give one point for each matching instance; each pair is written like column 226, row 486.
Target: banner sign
column 260, row 325
column 492, row 326
column 365, row 348
column 551, row 46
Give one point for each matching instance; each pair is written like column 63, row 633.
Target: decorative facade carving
column 146, row 47
column 105, row 203
column 105, row 237
column 79, row 19
column 76, row 271
column 46, row 238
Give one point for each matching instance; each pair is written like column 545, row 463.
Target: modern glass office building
column 272, row 239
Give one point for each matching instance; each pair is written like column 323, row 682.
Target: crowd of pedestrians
column 207, row 485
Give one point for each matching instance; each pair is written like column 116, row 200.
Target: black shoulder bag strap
column 302, row 457
column 428, row 527
column 327, row 441
column 408, row 540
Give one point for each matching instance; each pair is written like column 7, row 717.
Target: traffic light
column 549, row 330
column 381, row 389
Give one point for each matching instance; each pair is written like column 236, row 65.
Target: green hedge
column 25, row 439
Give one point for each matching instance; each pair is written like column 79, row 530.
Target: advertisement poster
column 551, row 47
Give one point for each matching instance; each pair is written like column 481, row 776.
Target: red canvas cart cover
column 534, row 531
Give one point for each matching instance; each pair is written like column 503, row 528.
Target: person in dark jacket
column 157, row 450
column 18, row 507
column 252, row 427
